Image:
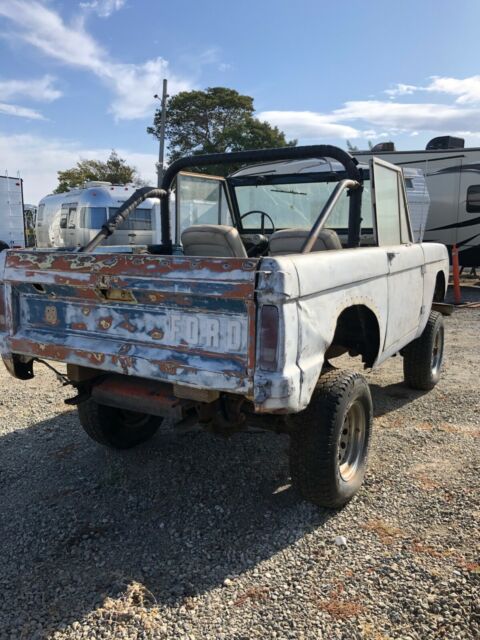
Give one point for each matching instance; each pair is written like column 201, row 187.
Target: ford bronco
column 300, row 256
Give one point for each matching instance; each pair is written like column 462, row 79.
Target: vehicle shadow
column 392, row 397
column 179, row 514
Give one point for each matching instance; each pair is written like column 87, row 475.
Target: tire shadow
column 392, row 397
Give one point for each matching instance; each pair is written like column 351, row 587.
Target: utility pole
column 161, row 149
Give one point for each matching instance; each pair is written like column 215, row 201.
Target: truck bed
column 169, row 318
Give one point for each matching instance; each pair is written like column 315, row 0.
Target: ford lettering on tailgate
column 162, row 317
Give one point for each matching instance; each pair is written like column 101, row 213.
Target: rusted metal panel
column 136, row 394
column 190, row 320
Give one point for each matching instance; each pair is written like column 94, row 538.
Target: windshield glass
column 297, row 204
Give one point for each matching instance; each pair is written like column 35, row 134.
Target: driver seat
column 213, row 240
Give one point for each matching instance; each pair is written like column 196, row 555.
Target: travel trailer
column 73, row 218
column 12, row 225
column 453, row 179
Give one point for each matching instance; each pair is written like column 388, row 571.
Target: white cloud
column 308, row 124
column 467, row 90
column 409, row 116
column 39, row 158
column 103, row 8
column 402, row 90
column 362, row 118
column 37, row 89
column 20, row 112
column 133, row 84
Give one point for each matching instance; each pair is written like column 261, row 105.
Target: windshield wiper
column 295, row 193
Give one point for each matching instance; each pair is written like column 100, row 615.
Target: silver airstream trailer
column 73, row 218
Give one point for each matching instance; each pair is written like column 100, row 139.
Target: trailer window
column 95, row 217
column 138, row 220
column 473, row 198
column 40, row 211
column 72, row 214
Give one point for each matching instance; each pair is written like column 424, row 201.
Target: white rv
column 453, row 180
column 73, row 218
column 12, row 226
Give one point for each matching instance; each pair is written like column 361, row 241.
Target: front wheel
column 423, row 358
column 116, row 428
column 330, row 440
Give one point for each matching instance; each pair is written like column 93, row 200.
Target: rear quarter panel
column 312, row 290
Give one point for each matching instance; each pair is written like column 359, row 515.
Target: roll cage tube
column 325, row 212
column 269, row 155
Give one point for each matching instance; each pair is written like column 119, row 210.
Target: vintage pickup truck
column 297, row 258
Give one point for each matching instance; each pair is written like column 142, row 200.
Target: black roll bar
column 259, row 155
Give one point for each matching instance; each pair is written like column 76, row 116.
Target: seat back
column 291, row 241
column 213, row 240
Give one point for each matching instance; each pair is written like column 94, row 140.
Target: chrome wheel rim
column 352, row 441
column 437, row 352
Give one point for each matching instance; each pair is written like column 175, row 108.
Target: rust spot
column 51, row 316
column 86, row 311
column 105, row 323
column 156, row 334
column 169, row 368
column 128, row 326
column 79, row 326
column 125, row 348
column 96, row 357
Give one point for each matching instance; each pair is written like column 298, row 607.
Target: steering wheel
column 264, row 215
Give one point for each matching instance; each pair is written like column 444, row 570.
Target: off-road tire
column 318, row 440
column 3, row 246
column 116, row 428
column 422, row 358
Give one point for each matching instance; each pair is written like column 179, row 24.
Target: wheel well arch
column 357, row 332
column 440, row 287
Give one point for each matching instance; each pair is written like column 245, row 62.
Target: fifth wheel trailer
column 453, row 180
column 12, row 226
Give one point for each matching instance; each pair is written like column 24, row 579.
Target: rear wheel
column 116, row 428
column 423, row 358
column 330, row 440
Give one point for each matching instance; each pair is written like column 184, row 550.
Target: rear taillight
column 2, row 308
column 268, row 352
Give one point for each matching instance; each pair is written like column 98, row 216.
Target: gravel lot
column 190, row 536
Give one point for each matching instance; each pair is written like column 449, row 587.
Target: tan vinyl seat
column 291, row 241
column 213, row 240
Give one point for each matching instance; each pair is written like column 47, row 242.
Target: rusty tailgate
column 172, row 318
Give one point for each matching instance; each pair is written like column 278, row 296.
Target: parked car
column 238, row 321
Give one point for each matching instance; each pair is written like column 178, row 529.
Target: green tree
column 351, row 147
column 214, row 121
column 115, row 170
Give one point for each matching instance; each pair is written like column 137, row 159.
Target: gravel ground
column 190, row 536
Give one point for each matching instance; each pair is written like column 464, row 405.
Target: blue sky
column 77, row 77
